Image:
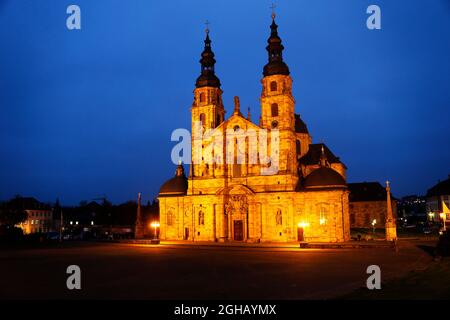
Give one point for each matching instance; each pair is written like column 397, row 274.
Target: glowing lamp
column 303, row 224
column 155, row 224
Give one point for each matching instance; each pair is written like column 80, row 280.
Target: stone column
column 139, row 226
column 391, row 225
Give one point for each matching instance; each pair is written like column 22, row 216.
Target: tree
column 11, row 216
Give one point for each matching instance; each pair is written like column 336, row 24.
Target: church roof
column 366, row 191
column 300, row 126
column 440, row 189
column 324, row 177
column 177, row 186
column 313, row 155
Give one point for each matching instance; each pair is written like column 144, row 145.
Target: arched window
column 201, row 218
column 273, row 86
column 202, row 97
column 323, row 215
column 169, row 218
column 298, row 148
column 274, row 109
column 202, row 119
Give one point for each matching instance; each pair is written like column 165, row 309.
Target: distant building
column 438, row 200
column 368, row 205
column 40, row 215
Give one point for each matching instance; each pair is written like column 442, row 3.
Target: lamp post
column 442, row 215
column 374, row 222
column 155, row 225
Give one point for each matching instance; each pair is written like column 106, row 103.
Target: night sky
column 89, row 112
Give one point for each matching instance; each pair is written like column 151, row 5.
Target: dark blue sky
column 88, row 113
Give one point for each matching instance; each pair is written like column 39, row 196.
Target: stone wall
column 264, row 217
column 362, row 213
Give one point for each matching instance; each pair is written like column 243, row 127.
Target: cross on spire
column 273, row 6
column 207, row 23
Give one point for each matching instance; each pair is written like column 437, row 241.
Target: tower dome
column 208, row 76
column 276, row 65
column 176, row 186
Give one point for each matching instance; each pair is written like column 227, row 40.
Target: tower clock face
column 274, row 124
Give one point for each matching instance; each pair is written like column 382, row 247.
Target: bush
column 443, row 246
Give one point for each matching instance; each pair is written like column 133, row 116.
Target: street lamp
column 431, row 215
column 374, row 222
column 155, row 224
column 443, row 217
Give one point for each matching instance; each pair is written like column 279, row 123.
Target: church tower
column 207, row 106
column 277, row 102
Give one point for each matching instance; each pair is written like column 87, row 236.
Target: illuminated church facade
column 304, row 199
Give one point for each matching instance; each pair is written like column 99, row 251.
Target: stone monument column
column 139, row 226
column 391, row 225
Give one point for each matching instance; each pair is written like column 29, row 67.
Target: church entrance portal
column 238, row 230
column 300, row 235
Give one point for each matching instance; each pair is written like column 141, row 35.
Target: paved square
column 125, row 271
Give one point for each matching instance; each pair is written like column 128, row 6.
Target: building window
column 218, row 120
column 202, row 97
column 273, row 86
column 169, row 218
column 367, row 219
column 202, row 119
column 201, row 218
column 274, row 109
column 279, row 217
column 323, row 216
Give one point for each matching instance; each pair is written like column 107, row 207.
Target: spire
column 323, row 158
column 275, row 49
column 391, row 227
column 207, row 77
column 180, row 170
column 139, row 225
column 237, row 106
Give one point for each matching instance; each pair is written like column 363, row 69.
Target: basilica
column 304, row 199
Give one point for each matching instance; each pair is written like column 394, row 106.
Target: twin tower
column 276, row 99
column 277, row 109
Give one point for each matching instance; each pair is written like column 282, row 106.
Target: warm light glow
column 155, row 224
column 71, row 222
column 323, row 221
column 303, row 224
column 76, row 222
column 431, row 215
column 374, row 222
column 442, row 215
column 92, row 223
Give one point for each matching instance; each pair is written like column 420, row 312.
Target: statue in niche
column 279, row 217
